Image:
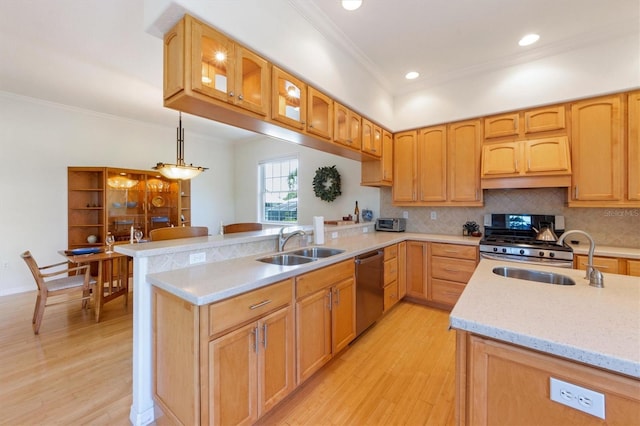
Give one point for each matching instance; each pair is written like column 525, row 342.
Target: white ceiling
column 96, row 55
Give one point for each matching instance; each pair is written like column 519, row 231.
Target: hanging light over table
column 179, row 170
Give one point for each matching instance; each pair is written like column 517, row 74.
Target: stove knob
column 495, row 249
column 552, row 254
column 504, row 250
column 541, row 254
column 521, row 251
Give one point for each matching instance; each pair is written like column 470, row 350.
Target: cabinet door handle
column 575, row 192
column 516, row 164
column 255, row 338
column 258, row 305
column 264, row 335
column 330, row 295
column 529, row 165
column 337, row 296
column 455, row 271
column 240, row 97
column 231, row 94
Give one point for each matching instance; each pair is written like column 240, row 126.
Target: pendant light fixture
column 179, row 170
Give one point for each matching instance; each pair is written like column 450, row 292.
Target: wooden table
column 112, row 278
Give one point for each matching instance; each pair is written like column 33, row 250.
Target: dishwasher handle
column 369, row 257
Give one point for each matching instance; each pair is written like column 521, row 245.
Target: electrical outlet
column 574, row 396
column 434, row 215
column 334, row 235
column 197, row 258
column 365, row 229
column 405, row 214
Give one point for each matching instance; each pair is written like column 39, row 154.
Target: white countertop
column 596, row 326
column 210, row 282
column 607, row 251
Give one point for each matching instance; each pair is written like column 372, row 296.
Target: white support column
column 142, row 407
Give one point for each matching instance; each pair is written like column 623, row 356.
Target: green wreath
column 326, row 183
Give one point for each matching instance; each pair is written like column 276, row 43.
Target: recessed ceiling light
column 351, row 4
column 528, row 39
column 411, row 75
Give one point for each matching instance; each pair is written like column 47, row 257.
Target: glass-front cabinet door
column 212, row 62
column 252, row 78
column 162, row 202
column 289, row 97
column 126, row 196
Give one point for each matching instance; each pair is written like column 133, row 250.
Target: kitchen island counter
column 595, row 326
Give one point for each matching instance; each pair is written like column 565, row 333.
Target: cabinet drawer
column 633, row 268
column 454, row 250
column 391, row 252
column 248, row 306
column 452, row 269
column 390, row 295
column 313, row 281
column 604, row 264
column 446, row 292
column 390, row 271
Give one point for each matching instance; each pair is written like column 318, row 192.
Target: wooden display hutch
column 103, row 200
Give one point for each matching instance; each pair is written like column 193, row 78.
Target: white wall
column 250, row 152
column 597, row 69
column 39, row 140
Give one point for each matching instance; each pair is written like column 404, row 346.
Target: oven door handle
column 546, row 262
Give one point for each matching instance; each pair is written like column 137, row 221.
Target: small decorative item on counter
column 367, row 215
column 92, row 239
column 356, row 213
column 471, row 228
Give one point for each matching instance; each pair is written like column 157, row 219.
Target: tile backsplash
column 610, row 227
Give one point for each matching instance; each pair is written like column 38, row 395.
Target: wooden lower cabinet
column 450, row 268
column 325, row 315
column 391, row 293
column 503, row 384
column 416, row 270
column 225, row 363
column 611, row 265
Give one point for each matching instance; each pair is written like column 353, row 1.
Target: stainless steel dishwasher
column 369, row 289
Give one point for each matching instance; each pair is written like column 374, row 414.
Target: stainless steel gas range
column 513, row 237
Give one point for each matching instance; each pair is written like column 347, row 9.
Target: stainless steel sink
column 317, row 252
column 300, row 256
column 286, row 259
column 530, row 275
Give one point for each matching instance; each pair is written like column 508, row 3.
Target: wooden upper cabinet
column 549, row 156
column 404, row 167
column 463, row 162
column 380, row 172
column 289, row 99
column 544, row 119
column 597, row 150
column 212, row 62
column 371, row 138
column 252, row 82
column 173, row 63
column 501, row 125
column 319, row 114
column 432, row 157
column 633, row 163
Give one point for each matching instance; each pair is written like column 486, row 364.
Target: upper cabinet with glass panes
column 219, row 67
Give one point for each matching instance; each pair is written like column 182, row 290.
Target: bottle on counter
column 356, row 213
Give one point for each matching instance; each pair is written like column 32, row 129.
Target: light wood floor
column 78, row 372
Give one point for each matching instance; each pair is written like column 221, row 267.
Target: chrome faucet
column 593, row 275
column 282, row 240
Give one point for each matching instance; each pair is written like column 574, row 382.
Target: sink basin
column 317, row 252
column 286, row 259
column 529, row 275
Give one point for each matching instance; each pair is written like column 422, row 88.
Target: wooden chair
column 241, row 227
column 172, row 233
column 53, row 287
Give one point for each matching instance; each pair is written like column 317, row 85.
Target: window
column 279, row 190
